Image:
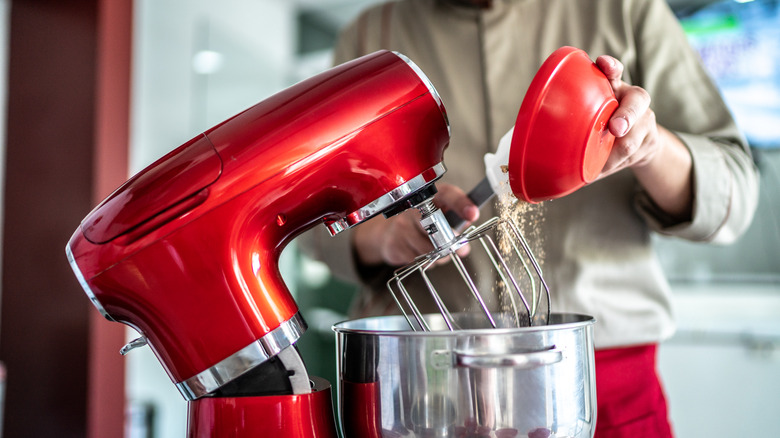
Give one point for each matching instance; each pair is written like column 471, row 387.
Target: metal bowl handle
column 525, row 360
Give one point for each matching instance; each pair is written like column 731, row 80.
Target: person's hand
column 633, row 123
column 398, row 240
column 660, row 161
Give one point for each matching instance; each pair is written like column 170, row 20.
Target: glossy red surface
column 360, row 410
column 151, row 196
column 561, row 141
column 299, row 416
column 192, row 261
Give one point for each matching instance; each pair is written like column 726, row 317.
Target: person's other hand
column 398, row 240
column 633, row 123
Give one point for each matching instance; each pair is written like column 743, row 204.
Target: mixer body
column 186, row 252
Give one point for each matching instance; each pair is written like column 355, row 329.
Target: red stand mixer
column 187, row 251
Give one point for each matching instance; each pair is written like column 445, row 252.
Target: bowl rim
column 360, row 326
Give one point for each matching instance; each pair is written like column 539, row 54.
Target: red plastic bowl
column 561, row 141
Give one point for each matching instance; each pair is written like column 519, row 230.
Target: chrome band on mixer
column 387, row 200
column 243, row 360
column 84, row 285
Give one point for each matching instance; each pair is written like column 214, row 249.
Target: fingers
column 400, row 239
column 453, row 198
column 633, row 122
column 404, row 239
column 635, row 147
column 638, row 142
column 634, row 103
column 612, row 69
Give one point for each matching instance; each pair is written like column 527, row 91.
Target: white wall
column 254, row 40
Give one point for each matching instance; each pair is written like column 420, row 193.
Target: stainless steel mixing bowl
column 478, row 382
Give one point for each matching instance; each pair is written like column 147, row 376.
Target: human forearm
column 667, row 176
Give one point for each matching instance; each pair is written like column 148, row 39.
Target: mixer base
column 295, row 416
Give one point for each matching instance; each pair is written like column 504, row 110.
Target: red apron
column 631, row 402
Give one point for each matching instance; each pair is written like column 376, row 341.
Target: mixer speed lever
column 132, row 345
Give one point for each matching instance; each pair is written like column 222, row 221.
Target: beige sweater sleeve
column 686, row 101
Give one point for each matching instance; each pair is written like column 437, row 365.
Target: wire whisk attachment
column 518, row 278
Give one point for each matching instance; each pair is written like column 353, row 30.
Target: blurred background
column 93, row 91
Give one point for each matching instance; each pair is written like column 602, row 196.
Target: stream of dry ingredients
column 529, row 219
